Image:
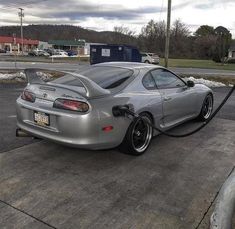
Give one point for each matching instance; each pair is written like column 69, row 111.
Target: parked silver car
column 76, row 109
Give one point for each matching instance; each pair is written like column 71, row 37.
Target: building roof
column 67, row 42
column 4, row 39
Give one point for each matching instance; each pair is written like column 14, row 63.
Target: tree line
column 206, row 43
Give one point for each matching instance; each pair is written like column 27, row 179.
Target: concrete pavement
column 171, row 186
column 8, row 95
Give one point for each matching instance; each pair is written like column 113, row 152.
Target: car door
column 177, row 98
column 154, row 100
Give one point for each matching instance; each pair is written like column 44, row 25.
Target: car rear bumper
column 76, row 130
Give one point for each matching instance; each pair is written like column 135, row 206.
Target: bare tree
column 124, row 35
column 152, row 37
column 179, row 40
column 124, row 30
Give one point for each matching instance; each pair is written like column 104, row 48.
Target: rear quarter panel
column 137, row 98
column 202, row 91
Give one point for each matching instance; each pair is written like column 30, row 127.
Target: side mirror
column 190, row 83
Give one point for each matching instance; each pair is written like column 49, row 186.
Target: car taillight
column 72, row 105
column 28, row 96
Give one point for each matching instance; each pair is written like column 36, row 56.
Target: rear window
column 105, row 76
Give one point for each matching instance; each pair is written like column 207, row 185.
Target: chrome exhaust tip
column 21, row 133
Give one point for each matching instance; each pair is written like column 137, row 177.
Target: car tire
column 207, row 108
column 147, row 62
column 138, row 136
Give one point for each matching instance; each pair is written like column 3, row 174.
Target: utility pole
column 168, row 33
column 21, row 15
column 14, row 44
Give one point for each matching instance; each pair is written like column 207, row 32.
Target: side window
column 166, row 79
column 148, row 82
column 143, row 54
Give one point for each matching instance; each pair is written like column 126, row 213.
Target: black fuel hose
column 125, row 109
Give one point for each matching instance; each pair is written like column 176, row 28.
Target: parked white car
column 150, row 58
column 59, row 54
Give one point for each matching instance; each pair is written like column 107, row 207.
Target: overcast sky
column 105, row 14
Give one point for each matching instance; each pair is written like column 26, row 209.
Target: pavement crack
column 24, row 212
column 217, row 193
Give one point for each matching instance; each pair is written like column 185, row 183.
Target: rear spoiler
column 92, row 88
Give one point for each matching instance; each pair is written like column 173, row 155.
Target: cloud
column 75, row 10
column 208, row 4
column 104, row 14
column 107, row 14
column 182, row 5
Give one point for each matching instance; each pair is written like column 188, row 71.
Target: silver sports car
column 77, row 109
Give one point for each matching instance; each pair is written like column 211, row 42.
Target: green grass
column 192, row 63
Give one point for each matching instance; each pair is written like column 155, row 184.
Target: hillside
column 67, row 32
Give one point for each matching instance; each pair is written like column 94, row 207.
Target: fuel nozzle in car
column 122, row 110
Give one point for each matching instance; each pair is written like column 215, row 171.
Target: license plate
column 41, row 118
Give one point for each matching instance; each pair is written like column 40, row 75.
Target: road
column 45, row 185
column 8, row 95
column 75, row 66
column 53, row 66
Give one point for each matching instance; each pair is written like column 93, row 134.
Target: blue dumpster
column 107, row 53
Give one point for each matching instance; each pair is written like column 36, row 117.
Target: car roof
column 129, row 65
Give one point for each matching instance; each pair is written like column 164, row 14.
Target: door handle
column 166, row 98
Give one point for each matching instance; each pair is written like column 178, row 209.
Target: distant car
column 150, row 58
column 2, row 51
column 49, row 51
column 32, row 53
column 77, row 109
column 38, row 52
column 72, row 52
column 43, row 53
column 59, row 54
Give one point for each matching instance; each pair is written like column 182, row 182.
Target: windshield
column 106, row 77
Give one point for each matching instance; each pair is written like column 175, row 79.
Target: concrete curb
column 222, row 216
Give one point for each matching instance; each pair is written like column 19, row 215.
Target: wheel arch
column 149, row 113
column 212, row 95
